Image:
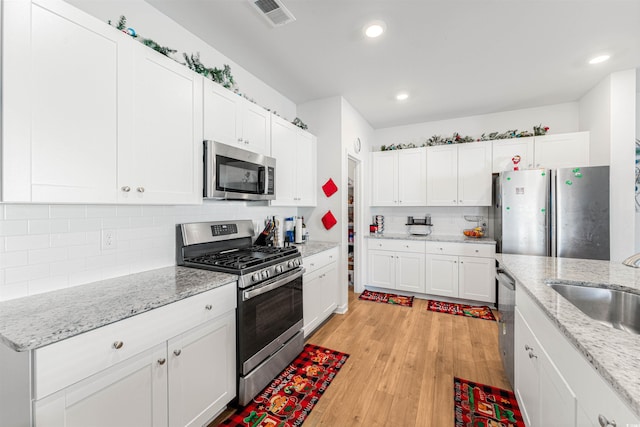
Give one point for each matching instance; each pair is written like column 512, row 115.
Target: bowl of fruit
column 474, row 232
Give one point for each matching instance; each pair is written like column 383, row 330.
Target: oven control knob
column 278, row 269
column 265, row 274
column 291, row 264
column 255, row 277
column 296, row 262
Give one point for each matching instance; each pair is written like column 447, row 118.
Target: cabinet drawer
column 319, row 260
column 461, row 249
column 397, row 245
column 66, row 362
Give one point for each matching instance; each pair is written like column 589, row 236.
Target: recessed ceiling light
column 599, row 59
column 374, row 29
column 402, row 96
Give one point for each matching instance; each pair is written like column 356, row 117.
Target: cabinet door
column 306, row 169
column 62, row 71
column 222, row 114
column 132, row 393
column 527, row 387
column 202, row 371
column 505, row 149
column 410, row 272
column 329, row 290
column 476, row 279
column 382, row 269
column 283, row 149
column 256, row 127
column 442, row 176
column 558, row 403
column 311, row 296
column 384, row 178
column 412, row 177
column 474, row 174
column 162, row 162
column 442, row 275
column 562, row 151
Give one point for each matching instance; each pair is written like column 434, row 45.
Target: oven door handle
column 269, row 286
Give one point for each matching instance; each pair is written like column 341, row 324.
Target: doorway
column 354, row 225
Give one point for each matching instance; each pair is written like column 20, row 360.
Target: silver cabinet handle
column 477, row 251
column 532, row 355
column 246, row 141
column 208, row 307
column 140, row 189
column 460, row 201
column 126, row 188
column 118, row 345
column 162, row 361
column 604, row 422
column 454, row 200
column 527, row 347
column 239, row 139
column 177, row 352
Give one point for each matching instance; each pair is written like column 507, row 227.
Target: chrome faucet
column 633, row 261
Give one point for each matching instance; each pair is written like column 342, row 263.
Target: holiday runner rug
column 291, row 396
column 387, row 298
column 483, row 405
column 477, row 311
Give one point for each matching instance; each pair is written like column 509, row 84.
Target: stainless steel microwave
column 232, row 173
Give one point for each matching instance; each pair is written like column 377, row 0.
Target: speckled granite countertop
column 434, row 238
column 613, row 353
column 313, row 248
column 33, row 322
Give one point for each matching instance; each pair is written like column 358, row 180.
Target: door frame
column 358, row 221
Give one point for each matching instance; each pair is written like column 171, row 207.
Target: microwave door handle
column 269, row 286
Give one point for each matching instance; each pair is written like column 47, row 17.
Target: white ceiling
column 456, row 58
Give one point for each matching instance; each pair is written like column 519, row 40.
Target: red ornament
column 516, row 159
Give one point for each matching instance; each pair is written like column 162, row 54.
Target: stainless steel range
column 269, row 314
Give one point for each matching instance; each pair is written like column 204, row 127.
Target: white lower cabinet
column 461, row 270
column 320, row 288
column 397, row 264
column 114, row 376
column 554, row 384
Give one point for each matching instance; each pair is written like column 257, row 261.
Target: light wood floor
column 401, row 365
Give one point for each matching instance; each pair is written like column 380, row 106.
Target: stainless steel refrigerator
column 562, row 212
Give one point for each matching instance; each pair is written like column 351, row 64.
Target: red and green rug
column 483, row 405
column 387, row 298
column 291, row 396
column 477, row 311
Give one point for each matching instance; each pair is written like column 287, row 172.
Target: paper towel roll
column 278, row 239
column 298, row 230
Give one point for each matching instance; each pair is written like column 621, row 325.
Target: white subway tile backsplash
column 68, row 266
column 26, row 211
column 129, row 211
column 39, row 226
column 48, row 284
column 26, row 273
column 39, row 256
column 84, row 277
column 13, row 291
column 19, row 243
column 115, row 222
column 68, row 239
column 13, row 228
column 85, row 224
column 83, row 251
column 14, row 259
column 100, row 211
column 148, row 211
column 59, row 225
column 67, row 211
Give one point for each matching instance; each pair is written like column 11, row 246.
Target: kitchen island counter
column 611, row 352
column 36, row 321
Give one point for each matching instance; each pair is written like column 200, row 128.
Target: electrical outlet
column 108, row 239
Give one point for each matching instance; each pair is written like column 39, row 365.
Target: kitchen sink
column 615, row 308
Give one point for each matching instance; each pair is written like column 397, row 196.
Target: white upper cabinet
column 295, row 152
column 61, row 96
column 562, row 151
column 162, row 161
column 546, row 151
column 233, row 120
column 459, row 175
column 505, row 149
column 107, row 114
column 399, row 178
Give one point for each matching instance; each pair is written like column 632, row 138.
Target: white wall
column 150, row 23
column 49, row 247
column 608, row 111
column 560, row 118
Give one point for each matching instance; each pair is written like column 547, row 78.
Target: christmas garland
column 456, row 138
column 221, row 76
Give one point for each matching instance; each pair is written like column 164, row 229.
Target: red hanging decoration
column 328, row 220
column 329, row 188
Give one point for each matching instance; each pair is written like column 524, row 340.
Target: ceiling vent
column 273, row 11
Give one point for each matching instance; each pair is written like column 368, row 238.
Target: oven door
column 233, row 173
column 269, row 314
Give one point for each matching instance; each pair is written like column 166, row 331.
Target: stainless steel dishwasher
column 506, row 307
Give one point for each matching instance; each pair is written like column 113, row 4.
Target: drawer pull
column 604, row 422
column 208, row 307
column 140, row 189
column 177, row 352
column 531, row 355
column 527, row 347
column 118, row 345
column 162, row 361
column 126, row 188
column 330, row 256
column 311, row 265
column 477, row 250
